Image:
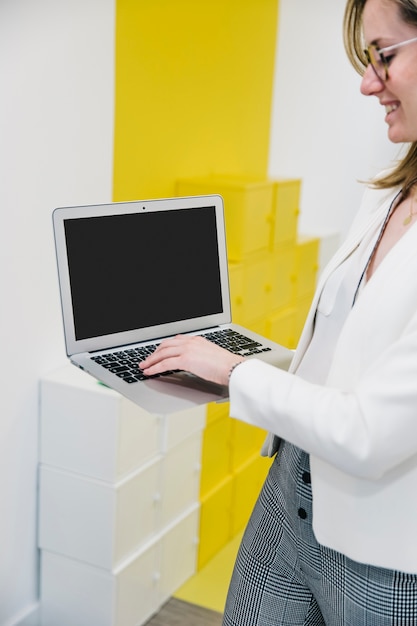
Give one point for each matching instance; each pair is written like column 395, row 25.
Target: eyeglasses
column 378, row 59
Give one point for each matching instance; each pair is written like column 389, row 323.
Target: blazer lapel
column 361, row 226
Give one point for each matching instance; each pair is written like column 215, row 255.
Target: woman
column 336, row 545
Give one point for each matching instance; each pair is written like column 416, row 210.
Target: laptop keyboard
column 124, row 363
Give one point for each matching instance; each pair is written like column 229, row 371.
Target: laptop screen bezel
column 104, row 342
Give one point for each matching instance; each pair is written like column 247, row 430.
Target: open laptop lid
column 138, row 271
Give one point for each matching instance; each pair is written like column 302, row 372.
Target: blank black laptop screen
column 139, row 270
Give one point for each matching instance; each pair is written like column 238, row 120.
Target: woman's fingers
column 176, row 353
column 162, row 358
column 193, row 354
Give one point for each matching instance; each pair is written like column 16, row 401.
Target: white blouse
column 339, row 294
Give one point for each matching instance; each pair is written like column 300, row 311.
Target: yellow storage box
column 246, row 442
column 283, row 277
column 286, row 210
column 248, row 207
column 215, row 522
column 236, row 281
column 281, row 327
column 216, row 410
column 216, row 453
column 247, row 484
column 257, row 287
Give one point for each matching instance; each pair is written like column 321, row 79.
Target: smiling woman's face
column 383, row 26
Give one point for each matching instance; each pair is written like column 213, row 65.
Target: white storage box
column 89, row 429
column 94, row 521
column 103, row 523
column 78, row 594
column 180, row 478
column 178, row 426
column 178, row 555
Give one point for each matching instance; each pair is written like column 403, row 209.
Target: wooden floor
column 178, row 613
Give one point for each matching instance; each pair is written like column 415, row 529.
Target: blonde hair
column 404, row 173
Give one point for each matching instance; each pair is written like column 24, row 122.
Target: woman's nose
column 371, row 84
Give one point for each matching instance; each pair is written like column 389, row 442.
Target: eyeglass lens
column 378, row 62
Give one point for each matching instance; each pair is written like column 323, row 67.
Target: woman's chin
column 398, row 135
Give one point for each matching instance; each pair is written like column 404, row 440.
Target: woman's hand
column 192, row 354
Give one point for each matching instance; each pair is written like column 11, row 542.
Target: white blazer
column 361, row 427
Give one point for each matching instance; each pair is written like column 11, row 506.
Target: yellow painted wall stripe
column 193, row 95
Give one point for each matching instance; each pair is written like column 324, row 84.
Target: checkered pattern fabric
column 283, row 577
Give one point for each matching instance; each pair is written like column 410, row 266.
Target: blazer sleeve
column 365, row 429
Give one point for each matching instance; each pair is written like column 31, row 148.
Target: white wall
column 56, row 144
column 323, row 130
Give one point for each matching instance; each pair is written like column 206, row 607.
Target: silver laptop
column 133, row 273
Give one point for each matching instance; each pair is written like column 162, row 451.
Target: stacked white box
column 118, row 503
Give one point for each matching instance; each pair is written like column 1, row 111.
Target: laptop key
column 118, row 369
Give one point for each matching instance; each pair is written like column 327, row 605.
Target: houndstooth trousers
column 283, row 577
